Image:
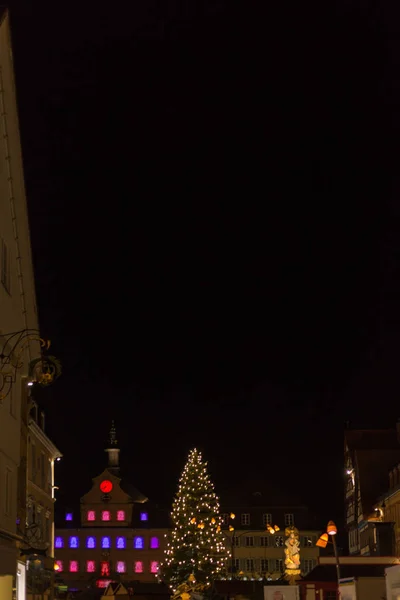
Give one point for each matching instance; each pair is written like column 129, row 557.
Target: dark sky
column 215, row 233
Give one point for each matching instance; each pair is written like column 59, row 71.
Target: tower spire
column 113, row 451
column 113, row 435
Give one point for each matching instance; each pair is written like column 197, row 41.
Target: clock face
column 106, row 486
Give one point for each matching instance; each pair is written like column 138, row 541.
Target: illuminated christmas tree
column 196, row 544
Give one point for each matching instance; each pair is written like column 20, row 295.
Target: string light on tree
column 196, row 544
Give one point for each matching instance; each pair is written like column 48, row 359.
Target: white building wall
column 17, row 301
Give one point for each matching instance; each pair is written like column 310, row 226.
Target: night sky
column 215, row 231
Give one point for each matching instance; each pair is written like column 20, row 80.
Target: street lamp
column 331, row 530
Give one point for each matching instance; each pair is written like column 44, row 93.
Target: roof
column 133, row 492
column 373, row 468
column 252, row 589
column 328, row 572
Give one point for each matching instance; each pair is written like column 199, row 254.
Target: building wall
column 41, row 457
column 256, row 553
column 87, row 561
column 17, row 301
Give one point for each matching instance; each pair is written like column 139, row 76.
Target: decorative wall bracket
column 42, row 370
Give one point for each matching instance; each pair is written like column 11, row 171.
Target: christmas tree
column 196, row 544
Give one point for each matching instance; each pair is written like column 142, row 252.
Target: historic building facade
column 369, row 455
column 255, row 532
column 118, row 535
column 17, row 314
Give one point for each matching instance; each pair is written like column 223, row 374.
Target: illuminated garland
column 196, row 544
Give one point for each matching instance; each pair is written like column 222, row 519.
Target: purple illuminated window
column 91, row 542
column 73, row 542
column 121, row 566
column 105, row 542
column 121, row 543
column 59, row 543
column 143, row 516
column 154, row 543
column 139, row 543
column 68, row 517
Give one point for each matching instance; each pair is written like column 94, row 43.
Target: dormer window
column 68, row 516
column 91, row 515
column 120, row 515
column 144, row 516
column 105, row 515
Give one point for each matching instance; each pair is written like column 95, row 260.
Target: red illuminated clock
column 106, row 486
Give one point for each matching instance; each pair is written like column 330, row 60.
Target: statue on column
column 292, row 554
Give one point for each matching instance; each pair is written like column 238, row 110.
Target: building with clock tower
column 118, row 534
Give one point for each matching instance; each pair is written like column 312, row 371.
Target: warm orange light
column 276, row 528
column 331, row 528
column 231, row 528
column 270, row 529
column 56, row 567
column 323, row 541
column 232, row 515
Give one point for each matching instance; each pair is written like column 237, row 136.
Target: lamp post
column 331, row 530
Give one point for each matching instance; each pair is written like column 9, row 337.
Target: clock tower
column 113, row 451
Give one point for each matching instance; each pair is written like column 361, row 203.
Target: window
column 154, row 566
column 330, row 595
column 60, row 565
column 121, row 516
column 308, row 541
column 8, row 492
column 278, row 541
column 245, row 519
column 307, row 565
column 73, row 566
column 154, row 543
column 279, row 565
column 105, row 515
column 42, row 471
column 138, row 566
column 249, row 541
column 143, row 516
column 121, row 568
column 289, row 519
column 13, row 402
column 5, row 267
column 264, row 565
column 264, row 541
column 121, row 543
column 59, row 542
column 73, row 542
column 267, row 519
column 104, row 568
column 236, row 541
column 249, row 565
column 139, row 543
column 90, row 566
column 33, row 466
column 68, row 517
column 91, row 515
column 225, row 518
column 105, row 542
column 235, row 565
column 91, row 542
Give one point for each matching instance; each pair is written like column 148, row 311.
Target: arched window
column 91, row 542
column 139, row 542
column 154, row 543
column 105, row 542
column 138, row 566
column 121, row 543
column 74, row 541
column 59, row 543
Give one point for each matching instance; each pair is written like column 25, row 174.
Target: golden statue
column 292, row 554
